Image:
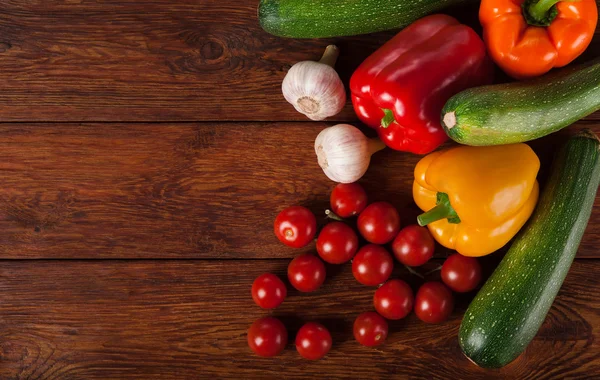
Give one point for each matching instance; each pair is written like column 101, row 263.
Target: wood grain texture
column 159, row 60
column 188, row 319
column 176, row 190
column 181, row 191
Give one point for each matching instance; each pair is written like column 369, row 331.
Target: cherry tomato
column 372, row 265
column 434, row 302
column 461, row 274
column 379, row 223
column 313, row 341
column 394, row 299
column 413, row 246
column 337, row 243
column 268, row 291
column 370, row 329
column 306, row 273
column 295, row 226
column 267, row 337
column 348, row 199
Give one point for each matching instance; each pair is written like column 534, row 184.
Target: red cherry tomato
column 394, row 299
column 306, row 273
column 413, row 246
column 267, row 337
column 337, row 243
column 372, row 265
column 295, row 226
column 313, row 341
column 379, row 223
column 268, row 291
column 370, row 329
column 348, row 199
column 461, row 274
column 434, row 302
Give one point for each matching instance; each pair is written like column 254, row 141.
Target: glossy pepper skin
column 401, row 88
column 492, row 191
column 526, row 40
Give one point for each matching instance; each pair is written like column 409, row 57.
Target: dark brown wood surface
column 145, row 148
column 182, row 190
column 140, row 60
column 187, row 319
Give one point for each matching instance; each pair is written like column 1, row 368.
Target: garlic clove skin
column 344, row 152
column 315, row 88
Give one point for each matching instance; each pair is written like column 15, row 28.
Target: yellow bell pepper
column 476, row 198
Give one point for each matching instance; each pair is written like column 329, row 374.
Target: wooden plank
column 180, row 191
column 159, row 60
column 188, row 319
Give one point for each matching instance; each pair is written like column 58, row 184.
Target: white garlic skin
column 314, row 89
column 343, row 152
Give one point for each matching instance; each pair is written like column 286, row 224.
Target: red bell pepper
column 400, row 89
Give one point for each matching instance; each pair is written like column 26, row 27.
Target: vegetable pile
column 512, row 305
column 476, row 198
column 430, row 82
column 352, row 221
column 401, row 88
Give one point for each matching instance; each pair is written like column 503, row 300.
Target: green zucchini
column 511, row 306
column 522, row 111
column 330, row 18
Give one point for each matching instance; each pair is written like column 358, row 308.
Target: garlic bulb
column 315, row 88
column 344, row 152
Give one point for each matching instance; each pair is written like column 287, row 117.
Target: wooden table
column 145, row 149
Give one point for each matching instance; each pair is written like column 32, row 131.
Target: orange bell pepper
column 528, row 38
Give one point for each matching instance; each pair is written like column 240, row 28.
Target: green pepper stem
column 443, row 210
column 437, row 213
column 540, row 9
column 542, row 12
column 388, row 117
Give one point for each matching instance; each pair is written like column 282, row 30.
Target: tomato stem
column 433, row 270
column 332, row 215
column 412, row 271
column 443, row 210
